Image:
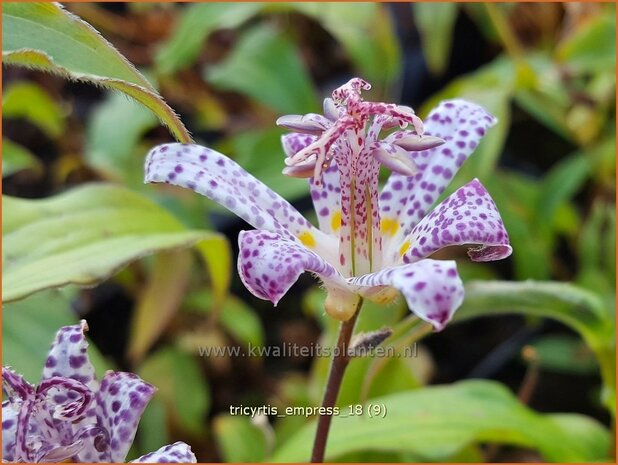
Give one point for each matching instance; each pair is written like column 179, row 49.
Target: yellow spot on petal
column 307, row 239
column 335, row 221
column 404, row 248
column 389, row 226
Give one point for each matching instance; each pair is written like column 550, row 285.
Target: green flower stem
column 333, row 385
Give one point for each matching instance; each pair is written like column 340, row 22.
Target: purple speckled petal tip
column 215, row 176
column 461, row 125
column 68, row 356
column 269, row 264
column 121, row 401
column 468, row 216
column 432, row 288
column 179, row 452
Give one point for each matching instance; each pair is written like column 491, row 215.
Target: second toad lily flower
column 368, row 243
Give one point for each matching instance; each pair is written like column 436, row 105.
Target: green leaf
column 265, row 65
column 437, row 422
column 83, row 236
column 29, row 101
column 366, row 32
column 181, row 386
column 17, row 158
column 592, row 47
column 112, row 137
column 197, row 22
column 29, row 328
column 45, row 36
column 239, row 440
column 435, row 22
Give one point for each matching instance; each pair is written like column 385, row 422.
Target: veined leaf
column 47, row 37
column 437, row 422
column 83, row 237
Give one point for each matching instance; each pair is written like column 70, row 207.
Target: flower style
column 70, row 416
column 368, row 244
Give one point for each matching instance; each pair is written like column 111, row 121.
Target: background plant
column 546, row 70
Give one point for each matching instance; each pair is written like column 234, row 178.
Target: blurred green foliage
column 230, row 70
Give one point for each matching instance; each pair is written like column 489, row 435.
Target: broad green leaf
column 29, row 328
column 197, row 21
column 29, row 101
column 366, row 32
column 47, row 37
column 181, row 386
column 159, row 301
column 112, row 137
column 17, row 158
column 239, row 440
column 265, row 65
column 437, row 422
column 592, row 47
column 83, row 236
column 435, row 22
column 564, row 353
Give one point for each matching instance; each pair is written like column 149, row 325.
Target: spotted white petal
column 432, row 288
column 121, row 401
column 468, row 216
column 269, row 264
column 68, row 356
column 405, row 200
column 212, row 174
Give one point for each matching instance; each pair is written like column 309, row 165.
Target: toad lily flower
column 368, row 244
column 70, row 416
